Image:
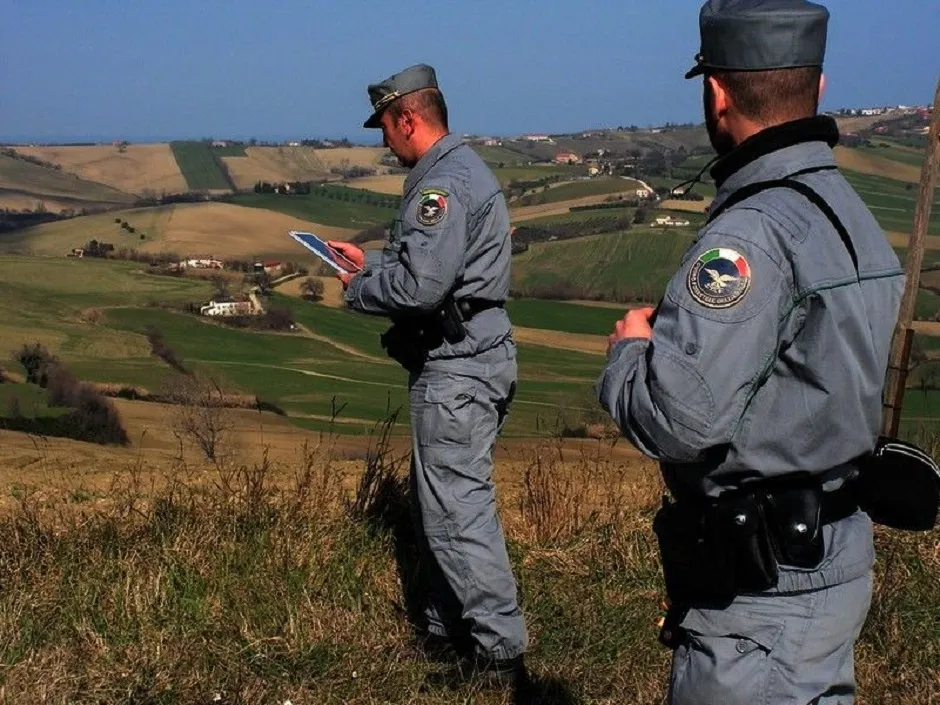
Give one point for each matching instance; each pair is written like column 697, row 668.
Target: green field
column 892, row 202
column 563, row 316
column 233, row 150
column 534, row 173
column 199, row 167
column 635, row 265
column 580, row 189
column 705, row 188
column 889, row 149
column 360, row 209
column 494, row 156
column 581, row 216
column 49, row 300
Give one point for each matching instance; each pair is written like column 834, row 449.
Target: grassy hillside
column 563, row 316
column 24, row 180
column 580, row 189
column 892, row 202
column 338, row 206
column 887, row 148
column 635, row 265
column 199, row 166
column 496, row 156
column 95, row 315
column 582, row 216
column 536, row 172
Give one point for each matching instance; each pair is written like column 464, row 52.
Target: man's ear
column 720, row 98
column 407, row 122
column 822, row 86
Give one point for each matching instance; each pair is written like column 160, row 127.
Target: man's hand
column 351, row 252
column 636, row 324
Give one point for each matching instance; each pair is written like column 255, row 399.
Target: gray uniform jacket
column 774, row 363
column 451, row 232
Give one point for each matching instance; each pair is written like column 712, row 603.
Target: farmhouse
column 538, row 138
column 206, row 263
column 643, row 193
column 567, row 158
column 227, row 308
column 269, row 267
column 664, row 221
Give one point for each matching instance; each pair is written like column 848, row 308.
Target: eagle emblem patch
column 432, row 206
column 720, row 278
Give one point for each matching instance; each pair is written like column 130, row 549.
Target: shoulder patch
column 432, row 206
column 719, row 278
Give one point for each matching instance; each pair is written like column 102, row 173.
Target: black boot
column 500, row 674
column 444, row 649
column 484, row 673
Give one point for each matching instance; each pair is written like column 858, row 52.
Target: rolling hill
column 23, row 184
column 140, row 168
column 197, row 229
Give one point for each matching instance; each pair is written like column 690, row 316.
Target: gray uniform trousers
column 458, row 407
column 780, row 647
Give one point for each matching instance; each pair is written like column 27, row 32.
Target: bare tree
column 201, row 417
column 312, row 289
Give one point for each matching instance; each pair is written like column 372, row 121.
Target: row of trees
column 525, row 235
column 91, row 416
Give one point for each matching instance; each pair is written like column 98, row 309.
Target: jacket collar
column 776, row 153
column 438, row 150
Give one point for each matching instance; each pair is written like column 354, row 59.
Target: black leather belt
column 471, row 307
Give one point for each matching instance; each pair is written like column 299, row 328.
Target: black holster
column 410, row 338
column 712, row 551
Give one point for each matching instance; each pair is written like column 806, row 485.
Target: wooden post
column 901, row 349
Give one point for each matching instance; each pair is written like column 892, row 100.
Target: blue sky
column 139, row 70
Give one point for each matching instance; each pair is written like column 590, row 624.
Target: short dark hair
column 770, row 97
column 429, row 103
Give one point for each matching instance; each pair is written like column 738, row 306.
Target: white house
column 226, row 308
column 643, row 193
column 664, row 221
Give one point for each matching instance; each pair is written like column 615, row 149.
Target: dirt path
column 307, row 333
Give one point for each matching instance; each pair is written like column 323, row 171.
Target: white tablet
column 318, row 247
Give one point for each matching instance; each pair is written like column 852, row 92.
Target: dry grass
column 19, row 202
column 295, row 163
column 390, row 183
column 279, row 571
column 688, row 206
column 353, row 156
column 227, row 230
column 266, row 580
column 865, row 163
column 332, row 290
column 140, row 167
column 199, row 229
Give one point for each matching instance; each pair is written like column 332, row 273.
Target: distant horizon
column 369, row 138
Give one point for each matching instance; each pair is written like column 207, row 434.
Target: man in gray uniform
column 757, row 381
column 442, row 278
